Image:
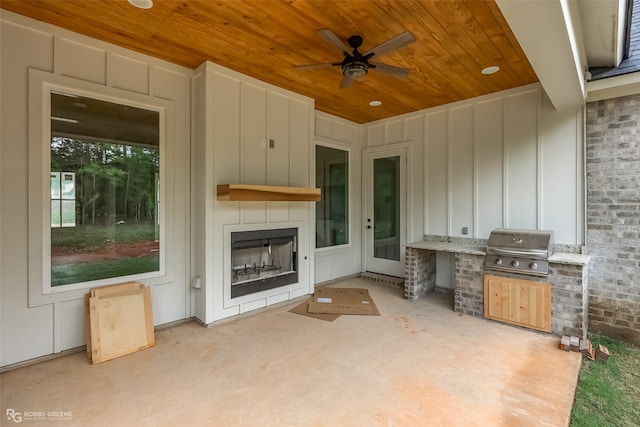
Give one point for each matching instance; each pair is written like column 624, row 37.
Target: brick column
column 569, row 299
column 613, row 216
column 420, row 272
column 469, row 284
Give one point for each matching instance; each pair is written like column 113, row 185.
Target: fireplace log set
column 243, row 270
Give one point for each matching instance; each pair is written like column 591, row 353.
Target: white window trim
column 345, row 246
column 39, row 241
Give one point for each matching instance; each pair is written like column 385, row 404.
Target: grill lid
column 519, row 251
column 526, row 243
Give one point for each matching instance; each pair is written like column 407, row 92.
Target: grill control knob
column 515, row 263
column 533, row 265
column 498, row 261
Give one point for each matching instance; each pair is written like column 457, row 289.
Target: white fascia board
column 606, row 22
column 613, row 87
column 545, row 31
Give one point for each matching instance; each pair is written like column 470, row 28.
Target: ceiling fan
column 355, row 64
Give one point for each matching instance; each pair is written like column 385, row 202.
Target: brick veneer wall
column 613, row 216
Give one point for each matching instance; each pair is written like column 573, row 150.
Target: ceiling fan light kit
column 355, row 70
column 355, row 64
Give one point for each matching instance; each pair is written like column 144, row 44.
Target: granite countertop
column 455, row 247
column 449, row 247
column 569, row 258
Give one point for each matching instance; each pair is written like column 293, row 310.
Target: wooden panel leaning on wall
column 119, row 321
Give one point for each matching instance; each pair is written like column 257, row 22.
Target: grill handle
column 511, row 252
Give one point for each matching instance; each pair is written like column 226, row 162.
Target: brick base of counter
column 569, row 299
column 420, row 272
column 420, row 279
column 469, row 285
column 569, row 293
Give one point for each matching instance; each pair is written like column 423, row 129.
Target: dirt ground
column 121, row 250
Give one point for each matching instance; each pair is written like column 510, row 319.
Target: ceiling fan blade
column 391, row 44
column 314, row 66
column 398, row 72
column 346, row 81
column 333, row 40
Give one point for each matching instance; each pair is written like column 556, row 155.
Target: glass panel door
column 385, row 222
column 386, row 209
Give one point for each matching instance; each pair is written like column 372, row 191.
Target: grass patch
column 96, row 270
column 608, row 394
column 93, row 237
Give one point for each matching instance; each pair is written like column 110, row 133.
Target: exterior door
column 385, row 228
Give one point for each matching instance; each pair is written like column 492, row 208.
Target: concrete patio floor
column 417, row 364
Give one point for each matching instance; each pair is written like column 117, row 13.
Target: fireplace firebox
column 262, row 260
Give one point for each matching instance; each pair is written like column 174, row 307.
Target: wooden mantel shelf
column 266, row 193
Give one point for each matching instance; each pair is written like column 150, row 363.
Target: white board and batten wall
column 33, row 327
column 344, row 260
column 236, row 118
column 507, row 159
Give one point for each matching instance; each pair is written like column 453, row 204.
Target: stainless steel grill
column 519, row 251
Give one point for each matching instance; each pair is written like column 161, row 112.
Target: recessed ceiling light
column 142, row 4
column 375, row 103
column 490, row 70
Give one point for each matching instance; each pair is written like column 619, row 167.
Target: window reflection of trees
column 113, row 153
column 103, row 170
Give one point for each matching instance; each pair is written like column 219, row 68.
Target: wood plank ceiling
column 265, row 39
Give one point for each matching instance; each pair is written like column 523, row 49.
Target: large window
column 104, row 174
column 332, row 211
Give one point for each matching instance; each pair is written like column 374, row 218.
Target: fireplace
column 262, row 260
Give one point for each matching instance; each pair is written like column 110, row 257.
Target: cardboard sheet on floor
column 120, row 321
column 304, row 310
column 343, row 301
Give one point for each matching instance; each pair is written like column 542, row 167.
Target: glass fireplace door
column 263, row 260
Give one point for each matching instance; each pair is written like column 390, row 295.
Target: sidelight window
column 332, row 211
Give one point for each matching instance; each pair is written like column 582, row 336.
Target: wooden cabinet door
column 520, row 302
column 498, row 298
